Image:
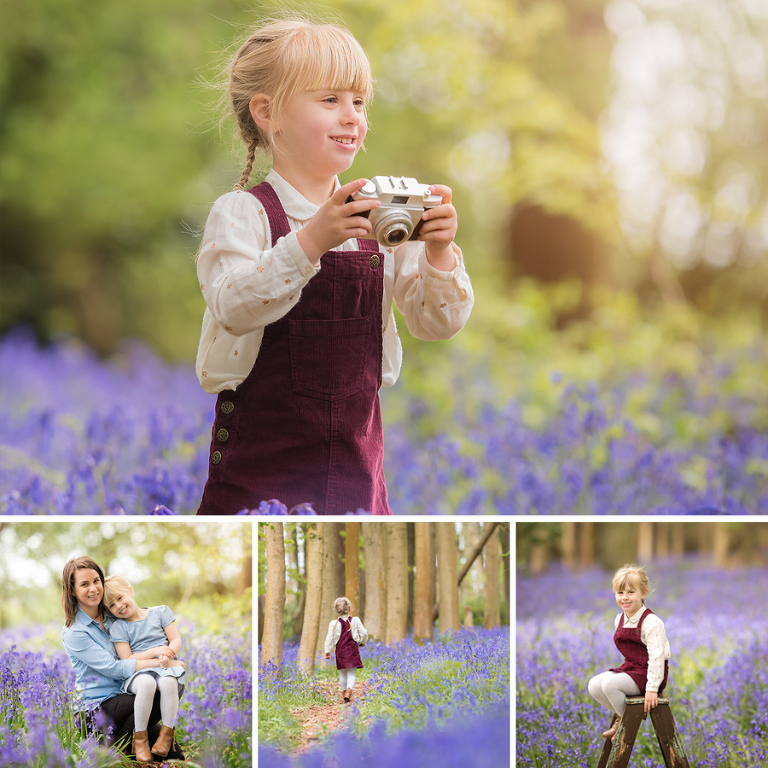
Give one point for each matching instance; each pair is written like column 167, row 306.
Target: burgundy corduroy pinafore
column 305, row 424
column 347, row 653
column 635, row 653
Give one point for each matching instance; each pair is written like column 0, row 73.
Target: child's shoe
column 164, row 741
column 141, row 747
column 348, row 695
column 611, row 732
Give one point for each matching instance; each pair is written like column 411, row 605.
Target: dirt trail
column 327, row 717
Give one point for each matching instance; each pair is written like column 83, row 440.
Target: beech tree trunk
column 274, row 605
column 314, row 569
column 374, row 538
column 491, row 617
column 352, row 567
column 424, row 584
column 447, row 573
column 397, row 582
column 330, row 588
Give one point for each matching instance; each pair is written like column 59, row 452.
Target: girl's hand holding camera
column 439, row 230
column 336, row 222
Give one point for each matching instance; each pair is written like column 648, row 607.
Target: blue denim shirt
column 99, row 671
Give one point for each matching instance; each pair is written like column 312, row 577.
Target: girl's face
column 88, row 588
column 629, row 599
column 123, row 606
column 320, row 133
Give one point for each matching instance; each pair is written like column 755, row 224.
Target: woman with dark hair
column 99, row 670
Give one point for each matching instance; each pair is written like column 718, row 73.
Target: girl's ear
column 260, row 107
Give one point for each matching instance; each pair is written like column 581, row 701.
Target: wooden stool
column 616, row 752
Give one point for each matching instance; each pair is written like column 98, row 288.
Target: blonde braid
column 252, row 146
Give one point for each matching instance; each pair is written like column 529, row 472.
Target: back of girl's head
column 285, row 57
column 633, row 576
column 342, row 606
column 68, row 577
column 115, row 586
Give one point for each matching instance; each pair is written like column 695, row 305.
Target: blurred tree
column 274, row 610
column 374, row 538
column 352, row 566
column 397, row 581
column 491, row 616
column 330, row 586
column 423, row 599
column 448, row 586
column 311, row 626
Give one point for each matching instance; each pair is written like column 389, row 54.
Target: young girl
column 147, row 633
column 299, row 332
column 345, row 635
column 640, row 637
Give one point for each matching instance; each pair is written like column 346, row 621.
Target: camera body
column 403, row 201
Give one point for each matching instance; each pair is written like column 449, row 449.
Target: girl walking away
column 345, row 635
column 640, row 637
column 147, row 633
column 299, row 332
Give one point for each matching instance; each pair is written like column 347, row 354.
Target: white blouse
column 359, row 634
column 654, row 637
column 247, row 284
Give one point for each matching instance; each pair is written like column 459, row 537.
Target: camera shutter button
column 369, row 188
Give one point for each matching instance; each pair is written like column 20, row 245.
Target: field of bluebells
column 717, row 627
column 37, row 711
column 444, row 703
column 644, row 419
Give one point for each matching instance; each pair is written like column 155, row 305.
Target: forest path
column 328, row 717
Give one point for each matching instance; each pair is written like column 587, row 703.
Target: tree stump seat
column 616, row 752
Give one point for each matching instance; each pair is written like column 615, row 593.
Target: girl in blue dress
column 147, row 633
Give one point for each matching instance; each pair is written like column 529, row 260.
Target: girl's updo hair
column 114, row 586
column 283, row 58
column 633, row 576
column 342, row 606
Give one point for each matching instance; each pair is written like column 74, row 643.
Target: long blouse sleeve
column 655, row 639
column 332, row 638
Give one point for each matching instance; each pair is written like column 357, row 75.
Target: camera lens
column 393, row 228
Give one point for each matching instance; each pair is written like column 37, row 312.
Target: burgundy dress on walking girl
column 635, row 653
column 347, row 652
column 305, row 424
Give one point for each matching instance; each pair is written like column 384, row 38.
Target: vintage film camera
column 403, row 201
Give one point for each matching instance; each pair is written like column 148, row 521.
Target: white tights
column 144, row 687
column 347, row 678
column 611, row 690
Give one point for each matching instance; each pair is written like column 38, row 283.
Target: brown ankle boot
column 343, row 697
column 611, row 732
column 141, row 747
column 349, row 694
column 164, row 741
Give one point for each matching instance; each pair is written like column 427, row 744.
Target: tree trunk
column 492, row 567
column 340, row 578
column 314, row 568
column 721, row 544
column 423, row 587
column 352, row 567
column 397, row 582
column 274, row 606
column 644, row 541
column 448, row 595
column 330, row 587
column 587, row 544
column 374, row 538
column 568, row 546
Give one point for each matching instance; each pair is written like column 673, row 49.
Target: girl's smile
column 319, row 134
column 125, row 607
column 629, row 600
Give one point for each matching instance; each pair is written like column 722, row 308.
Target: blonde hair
column 633, row 576
column 114, row 586
column 342, row 606
column 285, row 57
